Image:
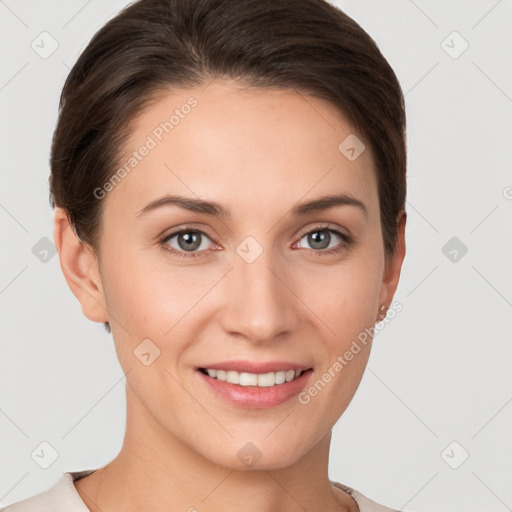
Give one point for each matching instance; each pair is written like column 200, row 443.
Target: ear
column 394, row 265
column 80, row 267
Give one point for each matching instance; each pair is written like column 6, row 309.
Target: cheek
column 344, row 300
column 343, row 297
column 146, row 296
column 148, row 306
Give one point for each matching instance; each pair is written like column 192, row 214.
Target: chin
column 259, row 454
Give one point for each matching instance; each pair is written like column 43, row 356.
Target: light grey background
column 439, row 372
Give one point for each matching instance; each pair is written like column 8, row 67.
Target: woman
column 229, row 184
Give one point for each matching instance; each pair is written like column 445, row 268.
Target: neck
column 156, row 471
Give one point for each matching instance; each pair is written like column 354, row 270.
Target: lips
column 255, row 385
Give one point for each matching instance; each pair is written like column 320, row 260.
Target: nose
column 259, row 302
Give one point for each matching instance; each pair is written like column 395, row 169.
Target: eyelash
column 347, row 241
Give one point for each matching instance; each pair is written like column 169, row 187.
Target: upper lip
column 255, row 367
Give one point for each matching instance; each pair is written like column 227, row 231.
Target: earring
column 382, row 313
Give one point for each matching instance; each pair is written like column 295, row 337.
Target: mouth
column 255, row 386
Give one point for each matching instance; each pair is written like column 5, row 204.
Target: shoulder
column 365, row 504
column 61, row 497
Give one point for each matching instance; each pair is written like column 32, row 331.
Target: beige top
column 63, row 497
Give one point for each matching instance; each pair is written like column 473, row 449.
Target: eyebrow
column 212, row 208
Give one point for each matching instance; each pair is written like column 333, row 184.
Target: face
column 239, row 276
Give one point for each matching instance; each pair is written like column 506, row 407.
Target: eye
column 186, row 242
column 191, row 243
column 323, row 239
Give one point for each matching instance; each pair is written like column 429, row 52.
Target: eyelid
column 184, row 227
column 327, row 226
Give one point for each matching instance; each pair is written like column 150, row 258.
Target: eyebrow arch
column 326, row 202
column 215, row 209
column 193, row 205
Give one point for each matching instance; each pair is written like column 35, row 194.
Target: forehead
column 234, row 144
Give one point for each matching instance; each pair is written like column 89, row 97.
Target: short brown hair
column 156, row 45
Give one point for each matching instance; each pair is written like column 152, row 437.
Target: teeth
column 254, row 379
column 266, row 379
column 280, row 377
column 232, row 377
column 248, row 379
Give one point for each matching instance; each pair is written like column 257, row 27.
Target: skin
column 257, row 152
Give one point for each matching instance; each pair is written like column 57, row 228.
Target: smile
column 255, row 385
column 253, row 379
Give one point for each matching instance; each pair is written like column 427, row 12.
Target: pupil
column 191, row 239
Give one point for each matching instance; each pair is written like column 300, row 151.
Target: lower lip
column 255, row 397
